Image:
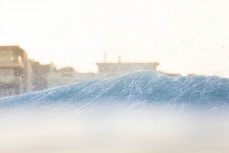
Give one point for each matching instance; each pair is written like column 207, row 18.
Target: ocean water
column 146, row 87
column 139, row 112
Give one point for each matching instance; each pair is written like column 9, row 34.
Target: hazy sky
column 187, row 36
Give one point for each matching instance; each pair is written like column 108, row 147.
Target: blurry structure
column 48, row 76
column 116, row 69
column 66, row 75
column 15, row 71
column 40, row 75
column 67, row 71
column 169, row 74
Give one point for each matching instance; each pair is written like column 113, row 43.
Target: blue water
column 145, row 87
column 79, row 117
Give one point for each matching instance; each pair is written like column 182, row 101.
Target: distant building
column 67, row 71
column 116, row 69
column 48, row 76
column 40, row 75
column 169, row 74
column 15, row 71
column 67, row 75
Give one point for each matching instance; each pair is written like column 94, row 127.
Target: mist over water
column 141, row 112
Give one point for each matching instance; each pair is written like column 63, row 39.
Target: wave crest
column 142, row 86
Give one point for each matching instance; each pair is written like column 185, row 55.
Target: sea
column 142, row 112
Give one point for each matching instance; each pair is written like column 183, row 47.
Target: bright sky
column 186, row 36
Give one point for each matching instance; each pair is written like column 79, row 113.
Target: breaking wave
column 145, row 87
column 142, row 86
column 79, row 117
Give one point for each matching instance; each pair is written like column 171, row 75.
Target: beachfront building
column 67, row 75
column 117, row 69
column 15, row 71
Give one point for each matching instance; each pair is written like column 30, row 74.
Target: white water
column 143, row 112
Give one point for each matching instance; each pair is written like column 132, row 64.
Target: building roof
column 16, row 48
